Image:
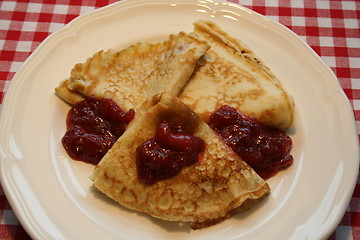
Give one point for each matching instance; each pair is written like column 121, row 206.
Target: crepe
column 134, row 74
column 229, row 73
column 215, row 187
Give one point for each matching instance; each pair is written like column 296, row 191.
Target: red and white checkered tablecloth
column 330, row 27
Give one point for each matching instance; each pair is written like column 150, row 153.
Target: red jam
column 265, row 149
column 93, row 127
column 164, row 155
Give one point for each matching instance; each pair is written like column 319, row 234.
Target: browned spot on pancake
column 267, row 114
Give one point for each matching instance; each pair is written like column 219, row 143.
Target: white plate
column 51, row 193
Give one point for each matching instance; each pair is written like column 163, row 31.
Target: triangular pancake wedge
column 229, row 73
column 134, row 74
column 218, row 185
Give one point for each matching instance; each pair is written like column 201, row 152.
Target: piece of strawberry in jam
column 93, row 127
column 164, row 155
column 265, row 149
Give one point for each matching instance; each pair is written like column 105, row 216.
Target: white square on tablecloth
column 344, row 233
column 330, row 61
column 61, row 9
column 357, row 124
column 55, row 26
column 303, row 37
column 354, row 62
column 6, row 85
column 326, row 41
column 34, row 7
column 356, row 103
column 298, row 21
column 355, row 83
column 348, row 5
column 271, row 3
column 8, row 6
column 86, row 9
column 352, row 42
column 324, row 22
column 29, row 26
column 351, row 23
column 246, row 2
column 274, row 18
column 322, row 4
column 4, row 24
column 9, row 218
column 297, row 4
column 24, row 46
column 15, row 66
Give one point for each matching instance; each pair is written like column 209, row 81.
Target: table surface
column 330, row 27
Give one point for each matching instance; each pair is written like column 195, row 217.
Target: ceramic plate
column 51, row 194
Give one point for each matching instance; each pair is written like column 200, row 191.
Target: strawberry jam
column 93, row 127
column 164, row 155
column 265, row 149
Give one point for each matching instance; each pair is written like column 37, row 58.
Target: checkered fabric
column 330, row 27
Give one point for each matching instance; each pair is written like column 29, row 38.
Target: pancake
column 230, row 73
column 132, row 75
column 217, row 186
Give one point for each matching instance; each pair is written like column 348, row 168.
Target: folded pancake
column 213, row 188
column 229, row 73
column 132, row 75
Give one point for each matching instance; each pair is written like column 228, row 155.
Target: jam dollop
column 93, row 126
column 265, row 149
column 164, row 155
